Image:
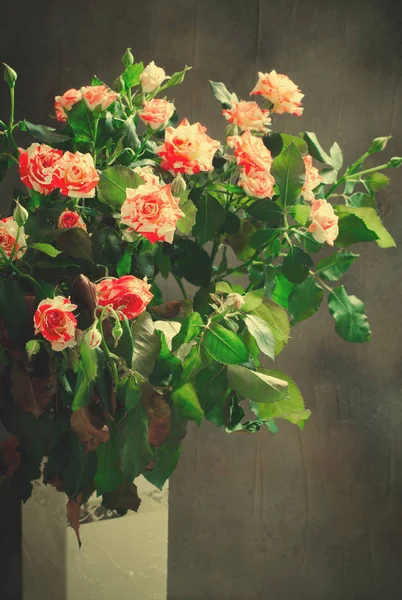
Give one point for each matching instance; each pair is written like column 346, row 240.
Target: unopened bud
column 117, row 332
column 93, row 337
column 234, row 300
column 395, row 162
column 178, row 185
column 32, row 347
column 379, row 144
column 127, row 58
column 10, row 76
column 20, row 214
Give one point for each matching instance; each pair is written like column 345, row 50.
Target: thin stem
column 320, row 281
column 181, row 286
column 11, row 121
column 94, row 138
column 215, row 249
column 143, row 143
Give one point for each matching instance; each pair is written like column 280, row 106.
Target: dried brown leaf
column 73, row 515
column 90, row 429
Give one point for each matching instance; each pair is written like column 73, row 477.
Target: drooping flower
column 324, row 226
column 37, row 166
column 248, row 115
column 187, row 149
column 250, row 151
column 128, row 295
column 8, row 238
column 156, row 113
column 55, row 321
column 63, row 104
column 152, row 210
column 151, row 77
column 281, row 91
column 69, row 219
column 257, row 183
column 98, row 95
column 76, row 175
column 313, row 179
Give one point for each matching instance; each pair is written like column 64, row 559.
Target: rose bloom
column 156, row 113
column 98, row 95
column 69, row 219
column 64, row 103
column 281, row 91
column 151, row 77
column 147, row 174
column 8, row 238
column 250, row 151
column 128, row 296
column 37, row 166
column 325, row 222
column 248, row 115
column 257, row 183
column 313, row 179
column 152, row 210
column 55, row 321
column 76, row 175
column 187, row 149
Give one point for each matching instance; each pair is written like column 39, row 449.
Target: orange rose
column 55, row 321
column 128, row 296
column 248, row 115
column 152, row 210
column 69, row 219
column 325, row 222
column 281, row 91
column 313, row 179
column 250, row 151
column 98, row 95
column 257, row 183
column 37, row 167
column 187, row 149
column 76, row 175
column 156, row 113
column 8, row 238
column 63, row 104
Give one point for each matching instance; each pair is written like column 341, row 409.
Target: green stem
column 181, row 286
column 215, row 249
column 11, row 121
column 320, row 281
column 94, row 138
column 143, row 143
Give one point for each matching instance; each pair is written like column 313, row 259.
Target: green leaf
column 315, row 149
column 252, row 300
column 113, row 184
column 46, row 135
column 191, row 327
column 185, row 224
column 305, row 300
column 300, row 144
column 76, row 243
column 348, row 311
column 89, row 361
column 290, row 173
column 283, row 289
column 222, row 287
column 262, row 334
column 333, row 267
column 193, row 363
column 261, row 237
column 291, row 408
column 376, row 181
column 14, row 311
column 108, row 473
column 135, row 452
column 131, row 136
column 176, row 78
column 107, row 247
column 125, row 345
column 352, row 229
column 222, row 94
column 210, row 216
column 82, row 392
column 46, row 249
column 81, row 122
column 225, row 346
column 146, row 343
column 336, row 156
column 186, row 401
column 300, row 213
column 277, row 320
column 256, row 386
column 130, row 392
column 162, row 261
column 187, row 254
column 296, row 265
column 211, row 384
column 267, row 211
column 131, row 75
column 124, row 265
column 372, row 221
column 359, row 200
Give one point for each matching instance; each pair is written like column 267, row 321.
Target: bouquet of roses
column 98, row 373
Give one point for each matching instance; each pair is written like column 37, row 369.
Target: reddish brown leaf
column 168, row 310
column 123, row 499
column 31, row 393
column 159, row 415
column 73, row 515
column 84, row 293
column 90, row 429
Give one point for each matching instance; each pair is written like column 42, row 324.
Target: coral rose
column 152, row 210
column 313, row 179
column 55, row 321
column 37, row 166
column 151, row 77
column 156, row 113
column 69, row 219
column 248, row 115
column 324, row 226
column 187, row 149
column 8, row 238
column 257, row 183
column 281, row 91
column 128, row 296
column 98, row 95
column 63, row 104
column 76, row 175
column 250, row 151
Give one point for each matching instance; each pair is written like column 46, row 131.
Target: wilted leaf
column 89, row 428
column 73, row 515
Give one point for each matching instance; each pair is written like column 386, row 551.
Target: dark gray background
column 312, row 515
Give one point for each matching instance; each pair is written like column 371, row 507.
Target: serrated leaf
column 305, row 300
column 290, row 173
column 352, row 229
column 333, row 267
column 376, row 181
column 210, row 216
column 252, row 300
column 176, row 78
column 268, row 211
column 282, row 290
column 348, row 311
column 187, row 403
column 222, row 94
column 190, row 328
column 225, row 346
column 76, row 243
column 359, row 200
column 262, row 334
column 185, row 224
column 372, row 221
column 146, row 344
column 46, row 135
column 131, row 75
column 108, row 473
column 300, row 213
column 296, row 265
column 47, row 249
column 261, row 237
column 223, row 288
column 211, row 384
column 255, row 386
column 336, row 156
column 315, row 148
column 113, row 184
column 135, row 452
column 123, row 267
column 276, row 318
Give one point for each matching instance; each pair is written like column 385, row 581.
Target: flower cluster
column 94, row 96
column 255, row 161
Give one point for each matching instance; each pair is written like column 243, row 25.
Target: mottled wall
column 311, row 515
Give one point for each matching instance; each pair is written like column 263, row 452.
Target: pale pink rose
column 281, row 91
column 235, row 300
column 248, row 115
column 8, row 238
column 76, row 175
column 313, row 179
column 152, row 210
column 151, row 77
column 187, row 149
column 55, row 321
column 324, row 226
column 128, row 295
column 147, row 175
column 37, row 166
column 156, row 113
column 250, row 151
column 257, row 183
column 98, row 95
column 69, row 219
column 63, row 104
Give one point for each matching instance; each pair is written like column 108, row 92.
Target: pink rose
column 156, row 113
column 128, row 296
column 281, row 91
column 257, row 183
column 250, row 151
column 69, row 219
column 147, row 175
column 248, row 115
column 313, row 179
column 151, row 77
column 37, row 166
column 8, row 239
column 187, row 149
column 324, row 226
column 55, row 321
column 152, row 210
column 63, row 104
column 76, row 175
column 98, row 95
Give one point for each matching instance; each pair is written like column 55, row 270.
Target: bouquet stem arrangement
column 98, row 374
